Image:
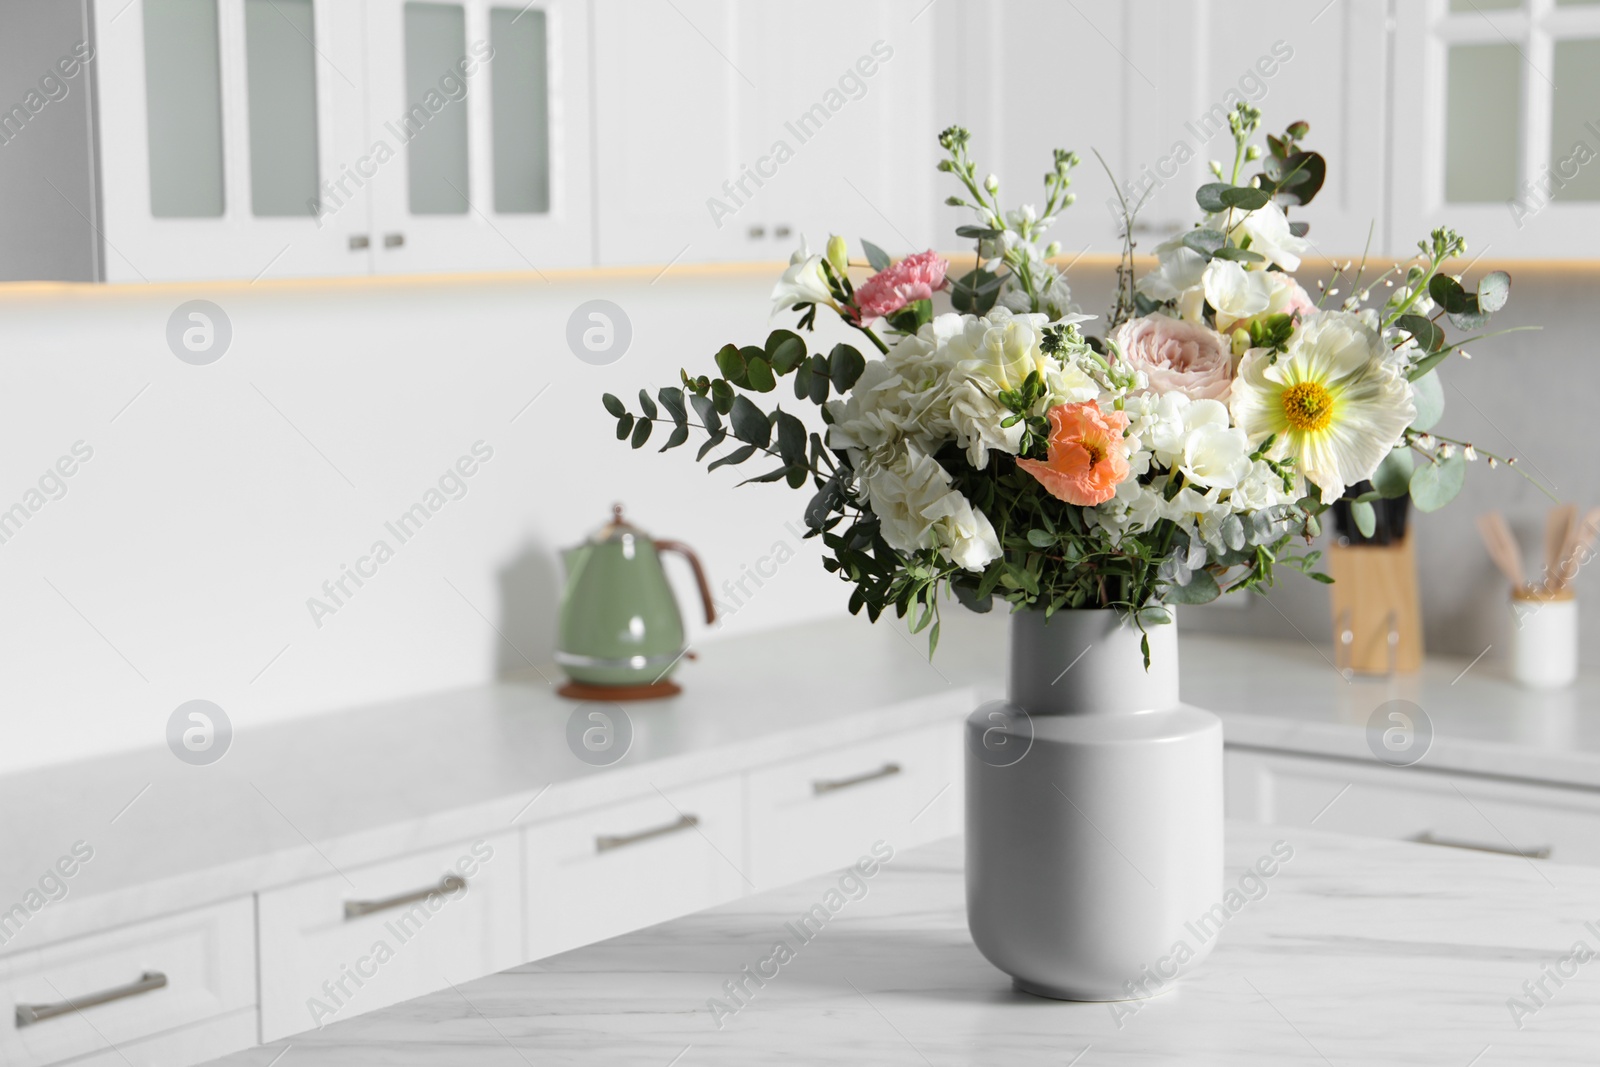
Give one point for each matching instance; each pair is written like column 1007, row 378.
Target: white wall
column 179, row 561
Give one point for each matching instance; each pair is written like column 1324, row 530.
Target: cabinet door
column 825, row 811
column 842, row 132
column 625, row 866
column 154, row 989
column 479, row 112
column 371, row 936
column 1198, row 61
column 1410, row 804
column 1501, row 135
column 228, row 131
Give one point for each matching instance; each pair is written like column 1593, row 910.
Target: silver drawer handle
column 827, row 785
column 149, row 981
column 607, row 842
column 450, row 883
column 1428, row 837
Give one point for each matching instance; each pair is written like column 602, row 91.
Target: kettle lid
column 617, row 529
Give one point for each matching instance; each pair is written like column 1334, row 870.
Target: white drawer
column 630, row 865
column 1407, row 803
column 824, row 812
column 197, row 966
column 373, row 936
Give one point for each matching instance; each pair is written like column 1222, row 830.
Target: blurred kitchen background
column 397, row 212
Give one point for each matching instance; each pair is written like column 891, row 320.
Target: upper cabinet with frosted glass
column 1497, row 111
column 295, row 138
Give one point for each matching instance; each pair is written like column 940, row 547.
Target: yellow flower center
column 1308, row 406
column 1096, row 449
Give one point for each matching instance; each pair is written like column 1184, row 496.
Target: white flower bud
column 992, row 184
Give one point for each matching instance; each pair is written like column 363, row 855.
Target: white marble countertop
column 1353, row 951
column 290, row 801
column 326, row 792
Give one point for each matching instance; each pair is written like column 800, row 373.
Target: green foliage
column 1435, row 483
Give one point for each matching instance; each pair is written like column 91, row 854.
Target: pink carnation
column 913, row 278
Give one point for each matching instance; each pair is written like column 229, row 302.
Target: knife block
column 1377, row 615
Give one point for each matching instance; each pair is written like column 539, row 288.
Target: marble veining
column 1354, row 951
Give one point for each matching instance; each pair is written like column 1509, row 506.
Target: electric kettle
column 620, row 634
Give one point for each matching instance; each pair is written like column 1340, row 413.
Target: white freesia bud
column 992, row 184
column 1216, row 167
column 1052, row 249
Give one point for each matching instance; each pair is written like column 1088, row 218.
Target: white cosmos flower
column 918, row 510
column 1334, row 401
column 802, row 283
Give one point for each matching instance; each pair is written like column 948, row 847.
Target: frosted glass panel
column 1483, row 128
column 1576, row 3
column 521, row 106
column 436, row 108
column 1469, row 7
column 281, row 73
column 1575, row 121
column 183, row 99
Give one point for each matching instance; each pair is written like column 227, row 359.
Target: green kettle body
column 619, row 624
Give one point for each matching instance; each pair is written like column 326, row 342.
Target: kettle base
column 651, row 691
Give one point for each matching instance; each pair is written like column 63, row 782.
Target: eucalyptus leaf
column 1448, row 294
column 679, row 435
column 647, row 405
column 1435, row 484
column 750, row 423
column 877, row 257
column 791, row 439
column 845, row 365
column 1041, row 538
column 1202, row 588
column 737, row 456
column 1392, row 479
column 1494, row 289
column 730, row 363
column 1240, row 255
column 624, row 427
column 1244, row 197
column 1209, row 197
column 1206, row 242
column 707, row 411
column 1428, row 393
column 613, row 405
column 641, row 432
column 1366, row 517
column 759, row 375
column 785, row 349
column 1428, row 336
column 671, row 398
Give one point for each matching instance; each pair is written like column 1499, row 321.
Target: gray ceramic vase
column 1094, row 812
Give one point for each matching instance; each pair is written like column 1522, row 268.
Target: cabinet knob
column 393, row 240
column 358, row 241
column 757, row 232
column 781, row 231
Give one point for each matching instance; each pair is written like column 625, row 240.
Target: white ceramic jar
column 1544, row 638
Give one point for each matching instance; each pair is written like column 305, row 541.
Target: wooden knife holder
column 1377, row 615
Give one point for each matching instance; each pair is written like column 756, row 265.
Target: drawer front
column 823, row 812
column 128, row 984
column 631, row 865
column 1346, row 796
column 338, row 946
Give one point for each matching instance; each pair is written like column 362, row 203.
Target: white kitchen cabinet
column 171, row 990
column 483, row 109
column 1500, row 138
column 825, row 811
column 800, row 126
column 224, row 126
column 1327, row 67
column 371, row 936
column 625, row 866
column 1412, row 804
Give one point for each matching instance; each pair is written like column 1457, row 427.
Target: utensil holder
column 1377, row 619
column 1544, row 638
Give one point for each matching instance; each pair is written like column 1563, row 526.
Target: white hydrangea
column 917, row 510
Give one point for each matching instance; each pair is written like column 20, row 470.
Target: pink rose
column 913, row 278
column 1177, row 356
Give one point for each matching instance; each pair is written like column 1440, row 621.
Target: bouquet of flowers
column 999, row 451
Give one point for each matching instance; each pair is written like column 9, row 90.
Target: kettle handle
column 699, row 574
